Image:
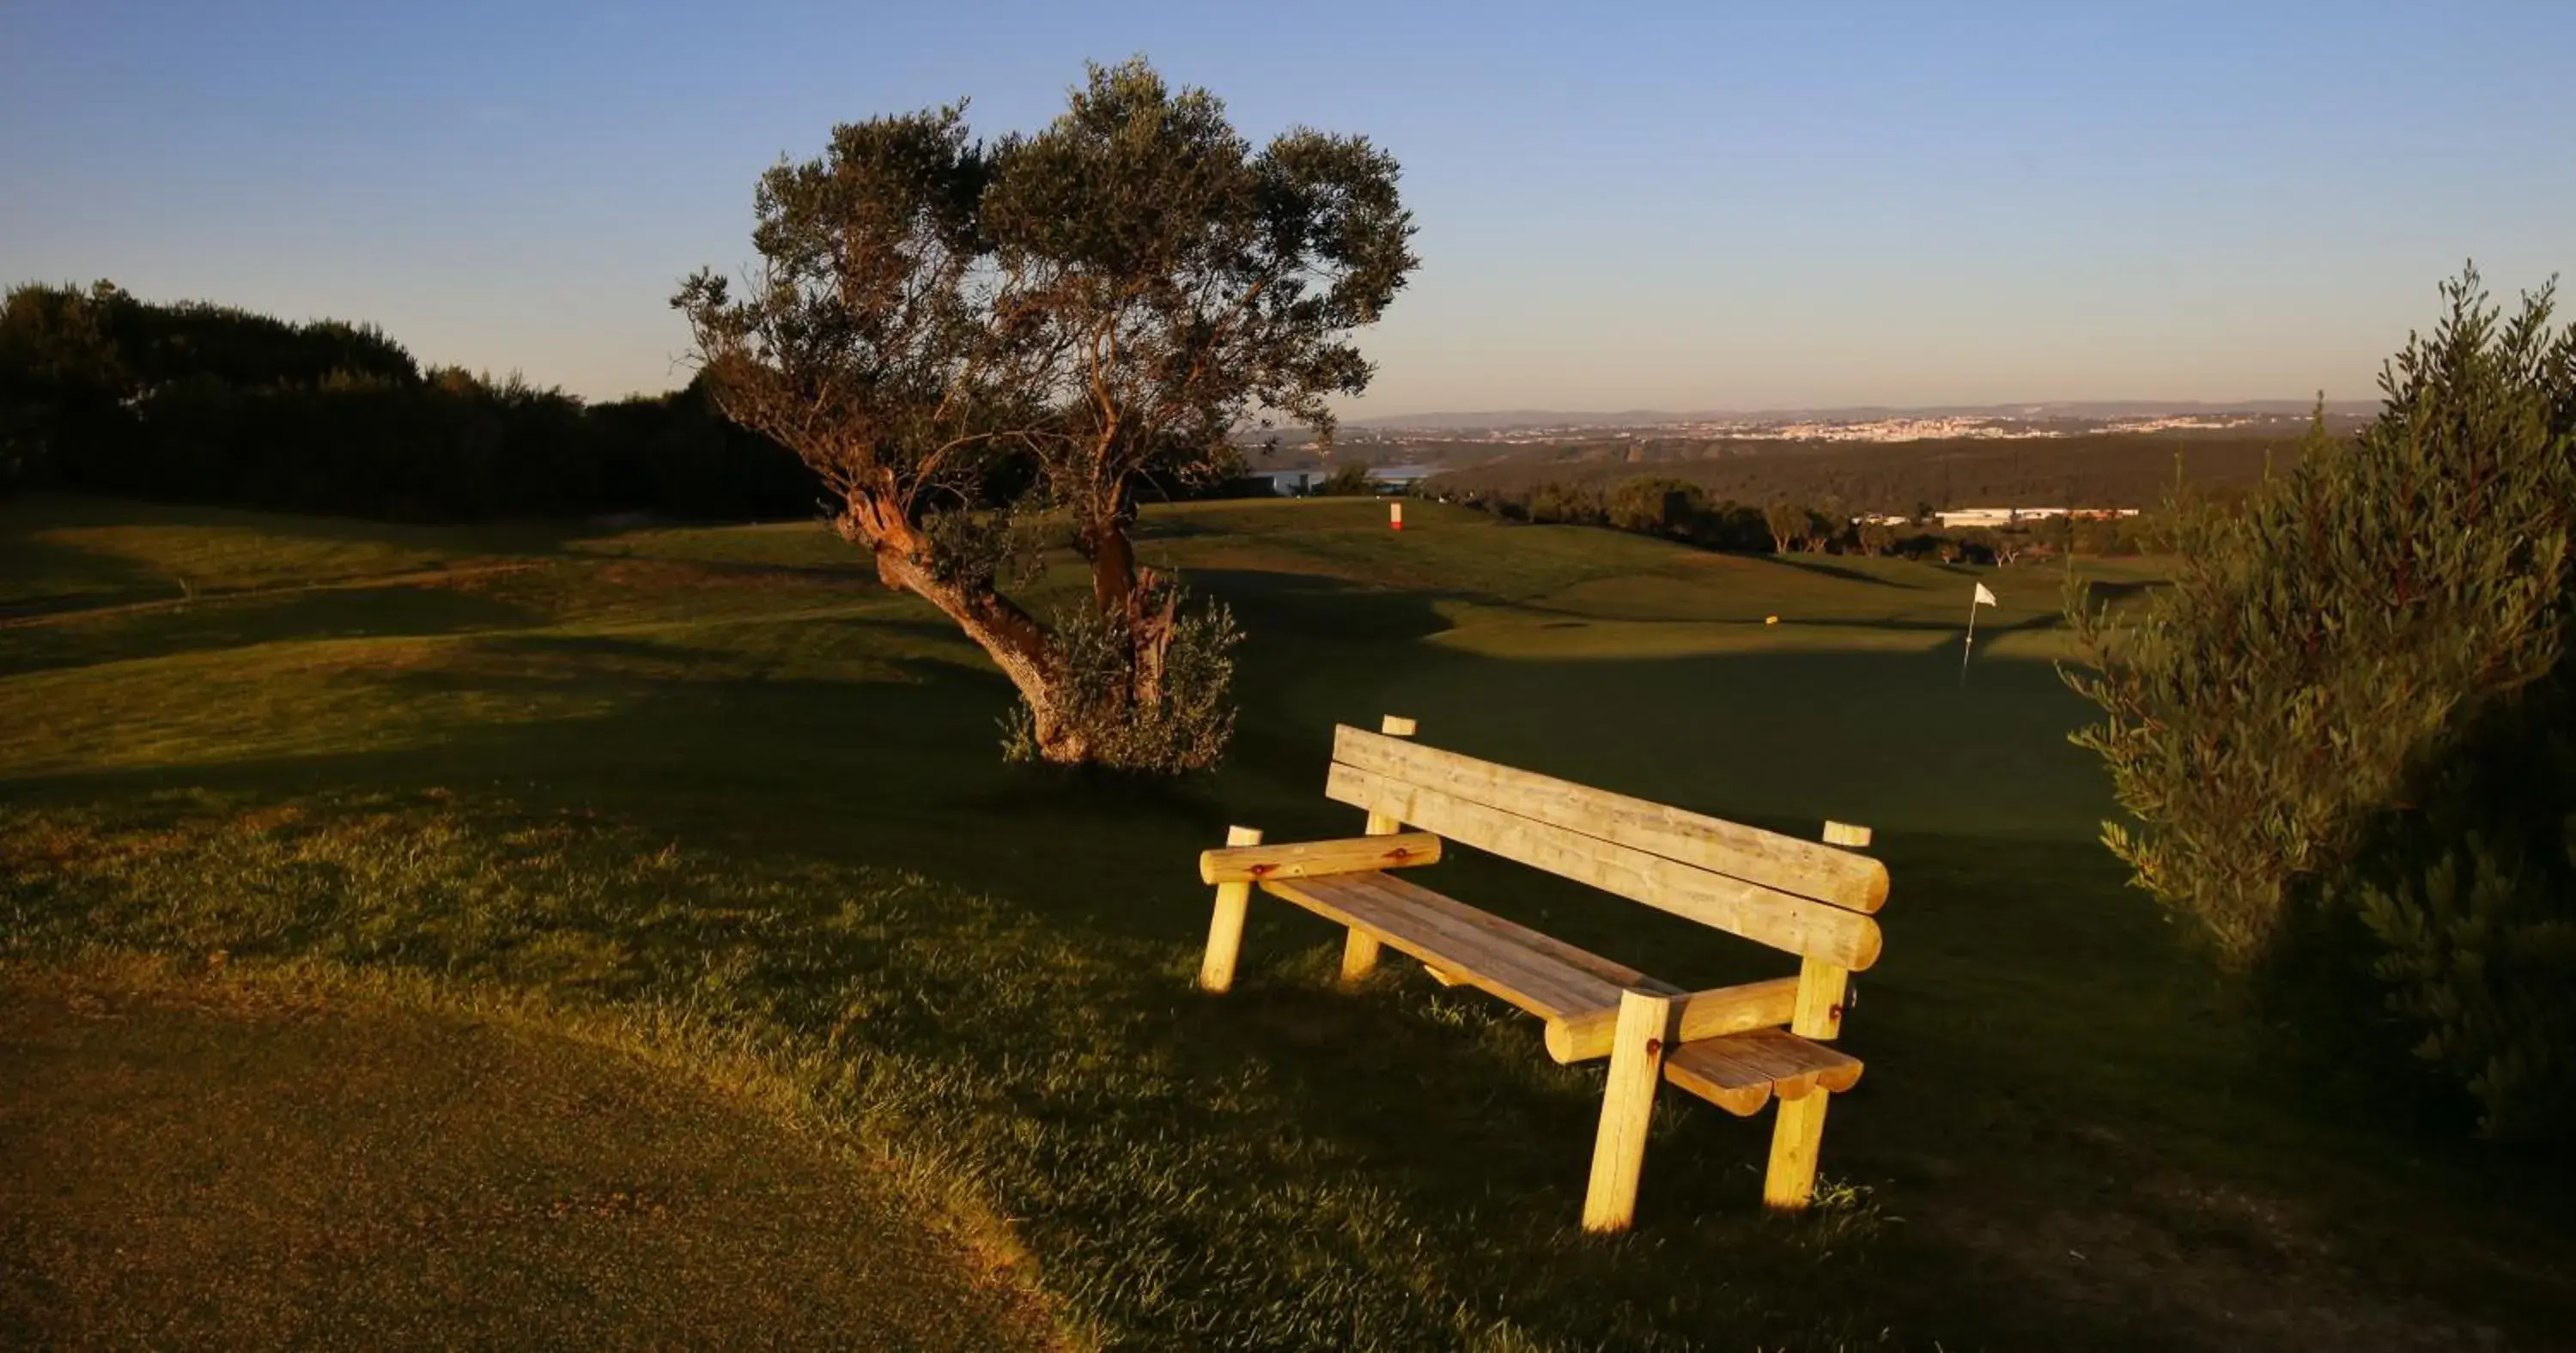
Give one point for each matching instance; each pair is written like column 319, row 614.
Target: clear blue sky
column 1686, row 205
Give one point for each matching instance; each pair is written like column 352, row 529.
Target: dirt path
column 204, row 1166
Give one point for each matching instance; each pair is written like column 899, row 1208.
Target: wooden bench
column 1737, row 1047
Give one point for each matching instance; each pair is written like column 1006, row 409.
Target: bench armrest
column 1715, row 1013
column 1309, row 859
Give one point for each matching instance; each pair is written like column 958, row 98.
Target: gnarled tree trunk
column 1127, row 595
column 872, row 519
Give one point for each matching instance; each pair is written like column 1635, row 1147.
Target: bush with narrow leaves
column 2306, row 718
column 1177, row 717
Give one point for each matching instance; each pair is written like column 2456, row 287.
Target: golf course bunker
column 202, row 1165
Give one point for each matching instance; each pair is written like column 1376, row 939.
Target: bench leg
column 1225, row 929
column 1790, row 1183
column 1627, row 1109
column 1359, row 956
column 1359, row 952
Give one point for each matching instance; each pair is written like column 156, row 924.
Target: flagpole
column 1971, row 645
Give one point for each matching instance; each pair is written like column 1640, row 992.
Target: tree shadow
column 241, row 621
column 1816, row 565
column 2013, row 980
column 2117, row 591
column 42, row 577
column 1315, row 607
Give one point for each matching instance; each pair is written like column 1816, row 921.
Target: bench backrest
column 1808, row 899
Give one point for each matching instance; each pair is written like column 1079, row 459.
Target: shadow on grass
column 2044, row 1070
column 39, row 576
column 1285, row 610
column 1817, row 566
column 2119, row 591
column 239, row 622
column 1286, row 1165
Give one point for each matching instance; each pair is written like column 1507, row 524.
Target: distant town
column 2038, row 423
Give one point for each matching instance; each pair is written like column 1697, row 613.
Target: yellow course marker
column 1770, row 620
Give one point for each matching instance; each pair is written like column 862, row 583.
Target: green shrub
column 1177, row 717
column 1348, row 480
column 1655, row 506
column 2317, row 712
column 1569, row 504
column 2471, row 898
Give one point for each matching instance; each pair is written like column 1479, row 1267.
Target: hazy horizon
column 1667, row 209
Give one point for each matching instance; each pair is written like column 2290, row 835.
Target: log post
column 1359, row 951
column 1627, row 1110
column 1790, row 1181
column 1225, row 929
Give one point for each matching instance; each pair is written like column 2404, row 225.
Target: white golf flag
column 1984, row 598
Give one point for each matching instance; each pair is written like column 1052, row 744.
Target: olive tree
column 2348, row 713
column 968, row 339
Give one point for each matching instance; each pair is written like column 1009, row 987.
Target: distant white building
column 1292, row 483
column 2008, row 516
column 1383, row 478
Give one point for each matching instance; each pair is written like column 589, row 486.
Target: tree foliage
column 104, row 392
column 2307, row 717
column 2470, row 898
column 1349, row 480
column 1048, row 325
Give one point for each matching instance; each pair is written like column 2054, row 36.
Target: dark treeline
column 1677, row 509
column 2098, row 470
column 104, row 393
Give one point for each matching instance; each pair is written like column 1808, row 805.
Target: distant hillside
column 1637, row 418
column 2089, row 470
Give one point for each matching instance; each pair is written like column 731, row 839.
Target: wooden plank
column 1577, row 980
column 1225, row 928
column 1846, row 834
column 1792, row 1065
column 1714, row 1013
column 1739, row 1072
column 1757, row 912
column 1473, row 928
column 1743, row 1101
column 1480, row 961
column 1306, row 859
column 1491, row 960
column 1627, row 1110
column 1618, row 975
column 1806, row 868
column 1532, row 980
column 1359, row 948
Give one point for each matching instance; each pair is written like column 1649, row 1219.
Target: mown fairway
column 713, row 797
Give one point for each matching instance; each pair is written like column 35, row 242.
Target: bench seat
column 1741, row 1072
column 1560, row 983
column 1544, row 976
column 1739, row 1047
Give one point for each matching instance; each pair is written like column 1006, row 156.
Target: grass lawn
column 716, row 788
column 209, row 1163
